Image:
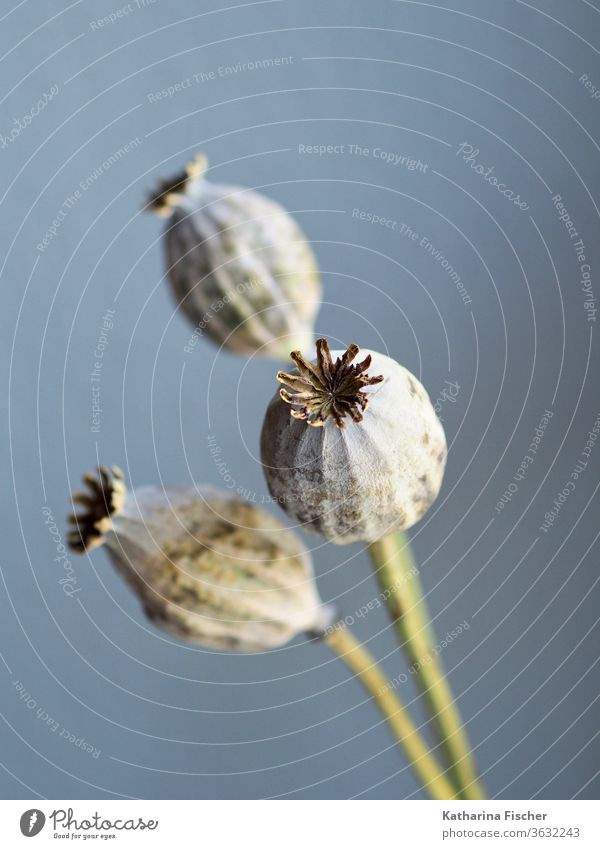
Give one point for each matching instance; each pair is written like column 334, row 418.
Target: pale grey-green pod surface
column 207, row 566
column 242, row 270
column 215, row 570
column 368, row 479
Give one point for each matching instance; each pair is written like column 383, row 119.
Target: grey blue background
column 410, row 78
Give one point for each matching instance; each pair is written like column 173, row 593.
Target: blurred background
column 422, row 105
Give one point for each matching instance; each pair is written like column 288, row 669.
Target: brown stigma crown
column 327, row 388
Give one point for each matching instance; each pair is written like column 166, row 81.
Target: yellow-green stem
column 362, row 663
column 399, row 580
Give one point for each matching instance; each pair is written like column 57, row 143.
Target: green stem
column 365, row 667
column 399, row 581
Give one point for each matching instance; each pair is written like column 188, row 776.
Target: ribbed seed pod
column 359, row 456
column 239, row 265
column 208, row 567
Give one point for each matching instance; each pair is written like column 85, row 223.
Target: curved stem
column 362, row 663
column 399, row 580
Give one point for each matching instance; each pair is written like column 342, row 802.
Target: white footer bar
column 301, row 824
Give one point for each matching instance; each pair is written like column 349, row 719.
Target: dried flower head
column 239, row 265
column 208, row 567
column 373, row 460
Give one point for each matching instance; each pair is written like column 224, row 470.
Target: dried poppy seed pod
column 239, row 265
column 208, row 567
column 359, row 456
